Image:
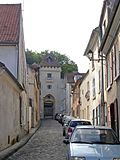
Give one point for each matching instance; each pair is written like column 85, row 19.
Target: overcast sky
column 64, row 26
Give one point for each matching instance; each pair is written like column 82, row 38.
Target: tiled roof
column 9, row 23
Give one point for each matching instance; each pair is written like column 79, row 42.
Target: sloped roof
column 9, row 23
column 70, row 76
column 49, row 61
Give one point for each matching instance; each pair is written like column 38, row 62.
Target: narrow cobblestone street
column 46, row 144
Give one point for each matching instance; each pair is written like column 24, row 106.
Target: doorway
column 48, row 110
column 114, row 117
column 49, row 106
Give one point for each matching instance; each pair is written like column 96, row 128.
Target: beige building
column 72, row 99
column 15, row 120
column 53, row 90
column 85, row 110
column 10, row 108
column 76, row 99
column 34, row 95
column 12, row 52
column 96, row 79
column 110, row 46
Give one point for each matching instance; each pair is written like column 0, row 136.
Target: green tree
column 67, row 65
column 32, row 57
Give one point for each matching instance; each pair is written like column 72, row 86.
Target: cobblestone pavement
column 46, row 144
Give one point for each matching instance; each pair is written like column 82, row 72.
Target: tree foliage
column 67, row 65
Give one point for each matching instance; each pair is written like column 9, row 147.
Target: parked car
column 58, row 117
column 93, row 142
column 64, row 118
column 73, row 123
column 66, row 121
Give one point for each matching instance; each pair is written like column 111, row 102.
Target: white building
column 12, row 52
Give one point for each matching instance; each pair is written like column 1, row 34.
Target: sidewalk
column 12, row 149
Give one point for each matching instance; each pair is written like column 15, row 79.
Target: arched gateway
column 49, row 103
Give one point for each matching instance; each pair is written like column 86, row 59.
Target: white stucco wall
column 9, row 56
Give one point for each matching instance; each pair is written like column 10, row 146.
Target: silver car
column 93, row 143
column 73, row 123
column 65, row 124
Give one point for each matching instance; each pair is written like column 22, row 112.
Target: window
column 93, row 64
column 99, row 77
column 114, row 62
column 49, row 60
column 98, row 115
column 116, row 59
column 49, row 76
column 93, row 117
column 20, row 105
column 88, row 112
column 49, row 86
column 111, row 65
column 108, row 72
column 93, row 85
column 30, row 102
column 119, row 62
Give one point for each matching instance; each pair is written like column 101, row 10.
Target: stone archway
column 49, row 103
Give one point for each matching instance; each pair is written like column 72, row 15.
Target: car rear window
column 75, row 123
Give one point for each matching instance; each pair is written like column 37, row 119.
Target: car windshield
column 75, row 123
column 93, row 135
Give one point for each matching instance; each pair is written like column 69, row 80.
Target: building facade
column 52, row 98
column 96, row 79
column 110, row 46
column 34, row 95
column 12, row 51
column 85, row 110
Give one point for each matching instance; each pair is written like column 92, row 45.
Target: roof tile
column 9, row 23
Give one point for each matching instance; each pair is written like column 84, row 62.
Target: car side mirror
column 66, row 141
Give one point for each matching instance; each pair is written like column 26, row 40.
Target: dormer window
column 49, row 60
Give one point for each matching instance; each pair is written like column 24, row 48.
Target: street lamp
column 90, row 55
column 91, row 58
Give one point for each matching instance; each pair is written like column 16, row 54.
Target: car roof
column 65, row 116
column 93, row 127
column 77, row 119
